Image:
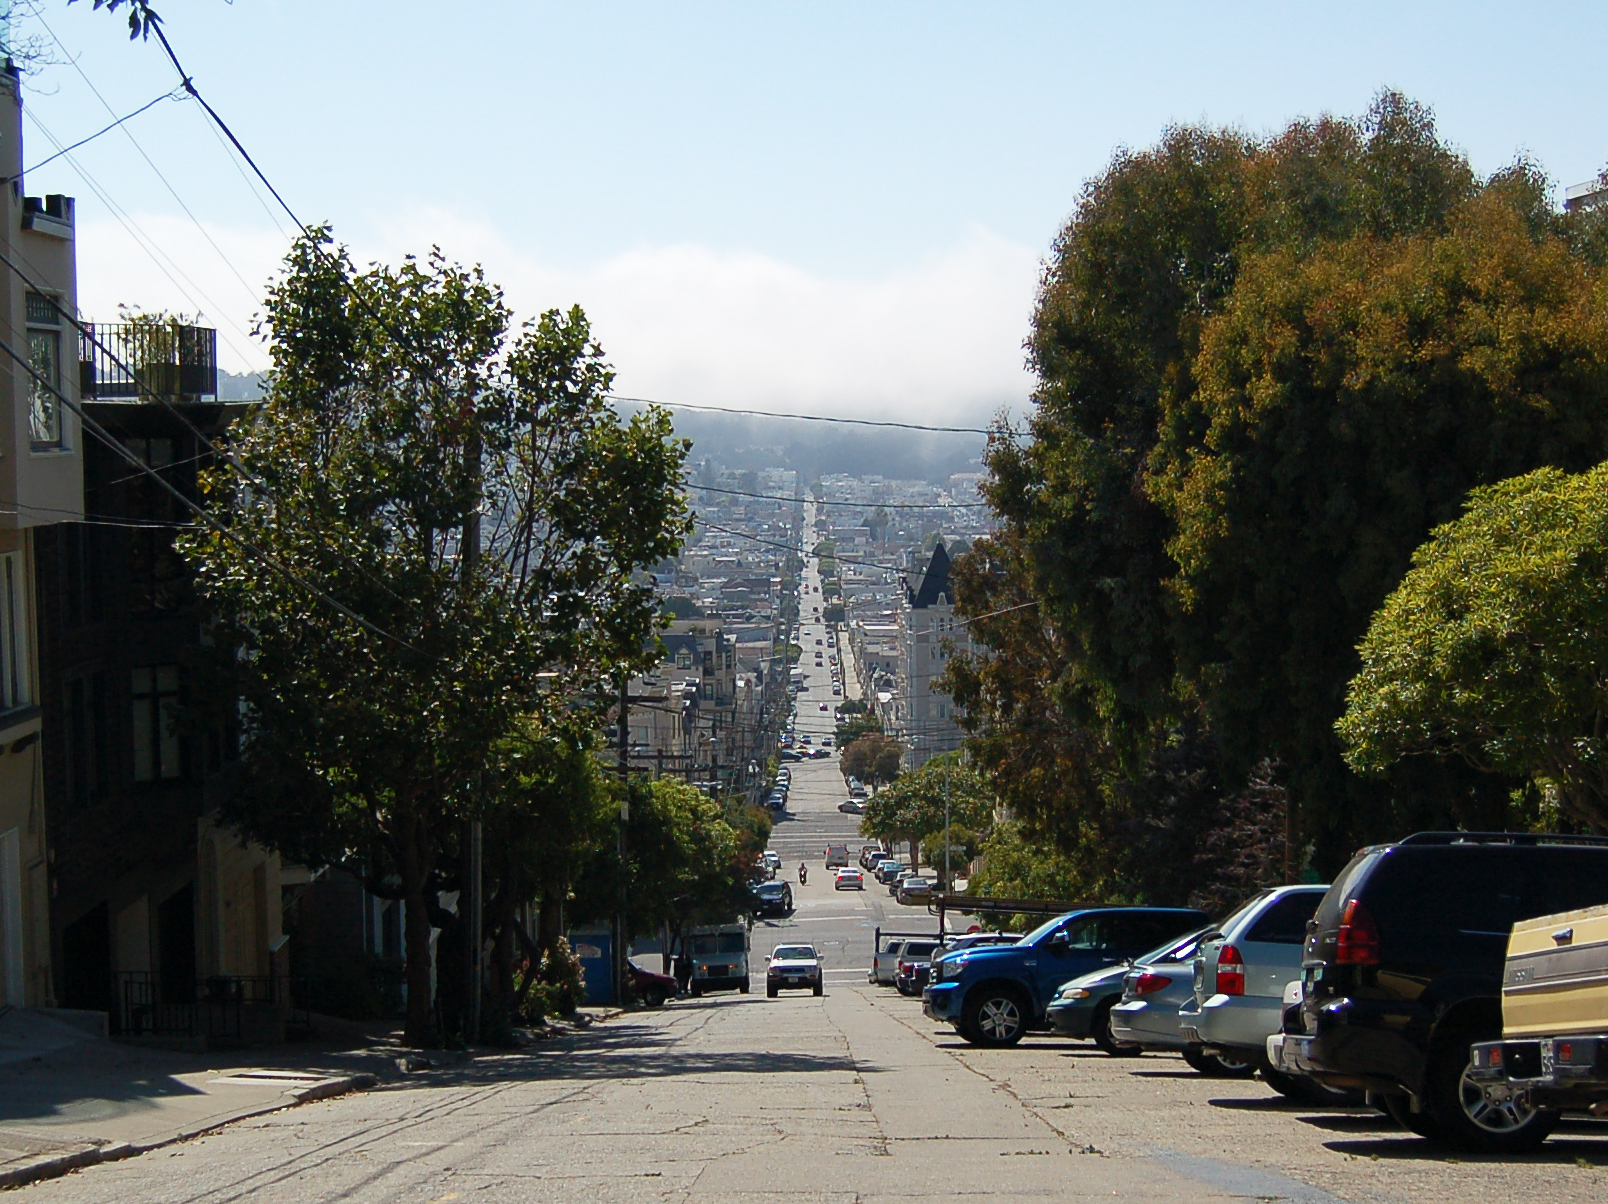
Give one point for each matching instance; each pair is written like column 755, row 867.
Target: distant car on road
column 824, row 707
column 852, row 806
column 837, row 855
column 837, row 691
column 849, row 878
column 915, row 889
column 773, row 899
column 793, row 968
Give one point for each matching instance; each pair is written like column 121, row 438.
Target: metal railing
column 145, row 1006
column 130, row 361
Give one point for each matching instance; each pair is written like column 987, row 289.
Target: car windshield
column 1042, row 932
column 1176, row 951
column 793, row 953
column 772, row 888
column 918, row 949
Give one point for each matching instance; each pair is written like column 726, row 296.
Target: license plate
column 1549, row 1059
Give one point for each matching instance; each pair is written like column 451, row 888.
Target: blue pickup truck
column 993, row 995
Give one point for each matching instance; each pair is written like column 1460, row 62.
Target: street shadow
column 1166, row 1074
column 624, row 1050
column 95, row 1082
column 1406, row 1147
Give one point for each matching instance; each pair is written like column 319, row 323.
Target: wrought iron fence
column 145, row 1006
column 120, row 361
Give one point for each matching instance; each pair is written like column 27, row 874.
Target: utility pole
column 949, row 882
column 625, row 818
column 470, row 906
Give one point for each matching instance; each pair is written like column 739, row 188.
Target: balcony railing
column 134, row 361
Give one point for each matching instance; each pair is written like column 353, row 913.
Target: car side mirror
column 1060, row 942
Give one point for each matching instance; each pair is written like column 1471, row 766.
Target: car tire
column 770, row 992
column 653, row 998
column 1213, row 1066
column 1472, row 1118
column 1399, row 1109
column 744, row 988
column 1100, row 1030
column 817, row 988
column 995, row 1017
column 695, row 991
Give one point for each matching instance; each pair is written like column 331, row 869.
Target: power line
column 710, row 409
column 776, row 497
column 116, row 446
column 173, row 95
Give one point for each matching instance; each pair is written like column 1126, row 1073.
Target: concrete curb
column 52, row 1166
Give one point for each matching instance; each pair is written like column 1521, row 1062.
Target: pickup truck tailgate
column 1556, row 977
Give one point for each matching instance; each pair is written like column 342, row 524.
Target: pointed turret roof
column 935, row 583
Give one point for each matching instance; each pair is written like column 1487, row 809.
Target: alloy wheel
column 999, row 1018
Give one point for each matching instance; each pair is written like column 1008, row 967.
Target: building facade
column 928, row 720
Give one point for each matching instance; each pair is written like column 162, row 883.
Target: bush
column 560, row 985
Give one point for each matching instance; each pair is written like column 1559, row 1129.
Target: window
column 156, row 714
column 684, row 658
column 1285, row 922
column 15, row 680
column 44, row 356
column 86, row 739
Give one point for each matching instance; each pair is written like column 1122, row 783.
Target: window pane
column 168, row 713
column 144, row 713
column 42, row 311
column 44, row 355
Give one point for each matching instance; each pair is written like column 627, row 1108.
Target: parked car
column 849, row 878
column 793, row 968
column 1148, row 1012
column 911, row 973
column 773, row 899
column 788, row 754
column 1554, row 1048
column 773, row 859
column 764, row 867
column 858, row 791
column 885, row 960
column 1402, row 973
column 993, row 995
column 889, row 870
column 652, row 988
column 915, row 889
column 870, row 854
column 852, row 806
column 1238, row 977
column 1081, row 1009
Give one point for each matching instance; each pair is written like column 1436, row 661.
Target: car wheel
column 744, row 988
column 995, row 1017
column 1217, row 1066
column 817, row 988
column 770, row 992
column 1100, row 1030
column 653, row 998
column 695, row 991
column 1483, row 1118
column 1399, row 1109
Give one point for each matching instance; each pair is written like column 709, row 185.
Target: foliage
column 383, row 637
column 1015, row 866
column 1266, row 368
column 560, row 985
column 857, row 724
column 873, row 758
column 913, row 807
column 1494, row 646
column 142, row 18
column 962, row 844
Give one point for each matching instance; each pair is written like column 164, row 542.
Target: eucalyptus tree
column 430, row 527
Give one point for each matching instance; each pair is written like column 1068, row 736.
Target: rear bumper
column 1562, row 1070
column 1150, row 1025
column 1367, row 1044
column 1232, row 1021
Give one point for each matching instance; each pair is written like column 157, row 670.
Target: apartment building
column 929, row 634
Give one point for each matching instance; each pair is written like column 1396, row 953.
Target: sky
column 817, row 207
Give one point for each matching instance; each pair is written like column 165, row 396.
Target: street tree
column 873, row 758
column 429, row 528
column 1494, row 648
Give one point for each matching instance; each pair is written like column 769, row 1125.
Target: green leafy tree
column 1266, row 368
column 1494, row 648
column 913, row 806
column 431, row 530
column 873, row 758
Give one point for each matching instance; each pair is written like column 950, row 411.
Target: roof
column 935, row 583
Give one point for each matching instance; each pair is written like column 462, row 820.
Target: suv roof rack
column 1515, row 838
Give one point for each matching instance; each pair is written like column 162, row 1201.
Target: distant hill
column 813, row 448
column 244, row 386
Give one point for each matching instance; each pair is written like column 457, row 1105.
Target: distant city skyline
column 829, row 208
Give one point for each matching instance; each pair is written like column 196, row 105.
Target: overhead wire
column 134, row 142
column 776, row 497
column 116, row 446
column 753, row 413
column 173, row 95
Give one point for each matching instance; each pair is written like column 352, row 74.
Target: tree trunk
column 550, row 920
column 413, row 861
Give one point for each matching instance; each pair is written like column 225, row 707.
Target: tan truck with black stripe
column 1554, row 1047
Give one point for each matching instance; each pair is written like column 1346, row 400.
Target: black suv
column 1402, row 972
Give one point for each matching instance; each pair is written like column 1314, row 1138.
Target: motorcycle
column 803, row 874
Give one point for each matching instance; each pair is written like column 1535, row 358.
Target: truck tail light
column 1149, row 983
column 1357, row 941
column 1230, row 971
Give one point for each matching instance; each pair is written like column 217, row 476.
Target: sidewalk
column 69, row 1099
